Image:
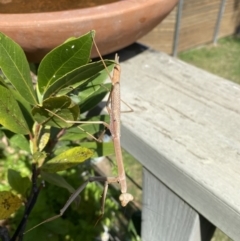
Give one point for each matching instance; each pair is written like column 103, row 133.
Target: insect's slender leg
column 105, row 189
column 82, row 122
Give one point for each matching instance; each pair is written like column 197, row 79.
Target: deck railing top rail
column 185, row 129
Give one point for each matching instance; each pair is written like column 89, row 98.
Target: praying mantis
column 114, row 111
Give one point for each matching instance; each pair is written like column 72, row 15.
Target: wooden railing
column 185, row 130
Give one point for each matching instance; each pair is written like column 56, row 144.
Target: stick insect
column 113, row 108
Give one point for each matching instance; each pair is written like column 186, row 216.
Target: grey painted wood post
column 166, row 217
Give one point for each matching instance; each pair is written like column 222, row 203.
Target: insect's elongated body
column 115, row 115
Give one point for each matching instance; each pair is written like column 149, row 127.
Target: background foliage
column 39, row 124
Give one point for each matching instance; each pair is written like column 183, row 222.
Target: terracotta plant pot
column 117, row 25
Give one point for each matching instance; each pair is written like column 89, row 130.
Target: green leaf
column 57, row 180
column 15, row 67
column 74, row 133
column 43, row 137
column 71, row 80
column 70, row 39
column 100, row 149
column 98, row 79
column 62, row 146
column 20, row 142
column 55, row 111
column 63, row 59
column 67, row 159
column 2, row 82
column 9, row 203
column 18, row 183
column 39, row 157
column 95, row 95
column 93, row 92
column 11, row 116
column 25, row 107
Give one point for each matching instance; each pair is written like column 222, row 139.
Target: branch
column 4, row 235
column 29, row 205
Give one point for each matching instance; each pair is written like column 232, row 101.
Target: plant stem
column 29, row 205
column 4, row 235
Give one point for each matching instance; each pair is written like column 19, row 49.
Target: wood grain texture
column 167, row 217
column 185, row 129
column 197, row 25
column 199, row 20
column 162, row 36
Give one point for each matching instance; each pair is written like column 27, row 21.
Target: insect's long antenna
column 100, row 56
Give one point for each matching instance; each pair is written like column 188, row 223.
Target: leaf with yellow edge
column 67, row 159
column 43, row 137
column 9, row 203
column 39, row 157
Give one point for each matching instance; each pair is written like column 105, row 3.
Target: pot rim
column 86, row 13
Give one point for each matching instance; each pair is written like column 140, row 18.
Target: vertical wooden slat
column 198, row 23
column 161, row 37
column 167, row 217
